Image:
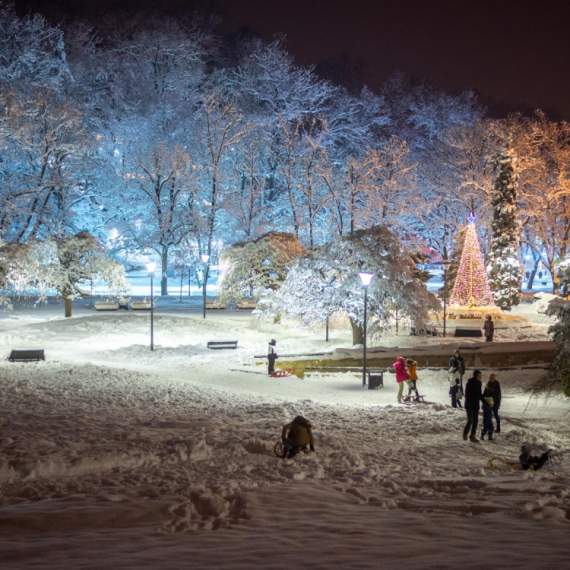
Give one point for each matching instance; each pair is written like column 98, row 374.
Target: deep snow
column 115, row 456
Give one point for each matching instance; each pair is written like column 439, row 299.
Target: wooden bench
column 140, row 305
column 215, row 304
column 220, row 344
column 27, row 356
column 247, row 304
column 106, row 306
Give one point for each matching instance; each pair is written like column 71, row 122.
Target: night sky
column 515, row 53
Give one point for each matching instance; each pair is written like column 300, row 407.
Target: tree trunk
column 532, row 276
column 68, row 307
column 357, row 332
column 164, row 269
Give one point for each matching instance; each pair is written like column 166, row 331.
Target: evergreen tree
column 504, row 279
column 559, row 308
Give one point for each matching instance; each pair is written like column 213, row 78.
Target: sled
column 282, row 373
column 415, row 399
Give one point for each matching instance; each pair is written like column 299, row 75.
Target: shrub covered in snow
column 560, row 308
column 249, row 269
column 325, row 281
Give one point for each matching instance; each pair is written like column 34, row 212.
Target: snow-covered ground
column 115, row 456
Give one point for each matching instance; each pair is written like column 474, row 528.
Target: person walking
column 401, row 375
column 473, row 395
column 272, row 356
column 412, row 377
column 494, row 387
column 489, row 327
column 456, row 371
column 488, row 403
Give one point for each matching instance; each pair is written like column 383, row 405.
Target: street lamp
column 511, row 261
column 189, row 280
column 365, row 278
column 205, row 258
column 446, row 263
column 151, row 266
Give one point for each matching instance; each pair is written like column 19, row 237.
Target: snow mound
column 541, row 300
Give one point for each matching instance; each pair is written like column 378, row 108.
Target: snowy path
column 159, row 459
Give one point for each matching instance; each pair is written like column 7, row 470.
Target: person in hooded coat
column 297, row 434
column 401, row 375
column 456, row 371
column 488, row 403
column 494, row 386
column 489, row 327
column 412, row 377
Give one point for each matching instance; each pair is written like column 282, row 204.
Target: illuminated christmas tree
column 471, row 284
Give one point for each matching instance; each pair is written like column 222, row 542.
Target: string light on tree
column 471, row 284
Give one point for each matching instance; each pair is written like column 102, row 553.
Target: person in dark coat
column 473, row 396
column 495, row 388
column 528, row 460
column 272, row 356
column 488, row 404
column 456, row 371
column 489, row 327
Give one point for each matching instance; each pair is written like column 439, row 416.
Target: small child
column 412, row 367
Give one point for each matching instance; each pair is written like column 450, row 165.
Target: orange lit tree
column 471, row 286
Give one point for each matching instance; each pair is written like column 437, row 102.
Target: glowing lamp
column 365, row 278
column 151, row 266
column 205, row 258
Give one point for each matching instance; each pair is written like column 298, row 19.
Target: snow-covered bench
column 215, row 304
column 247, row 304
column 106, row 306
column 140, row 305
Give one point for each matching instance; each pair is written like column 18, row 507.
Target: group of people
column 406, row 372
column 489, row 396
column 475, row 394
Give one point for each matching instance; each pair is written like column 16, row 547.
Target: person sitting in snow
column 456, row 371
column 401, row 375
column 297, row 434
column 412, row 366
column 272, row 356
column 528, row 460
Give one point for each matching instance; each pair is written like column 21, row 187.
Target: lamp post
column 446, row 263
column 189, row 280
column 511, row 261
column 205, row 258
column 151, row 266
column 365, row 278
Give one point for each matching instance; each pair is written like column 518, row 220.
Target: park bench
column 140, row 305
column 106, row 306
column 247, row 304
column 215, row 304
column 27, row 356
column 220, row 344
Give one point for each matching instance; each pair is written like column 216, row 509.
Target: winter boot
column 482, row 435
column 490, row 437
column 465, row 436
column 291, row 454
column 474, row 439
